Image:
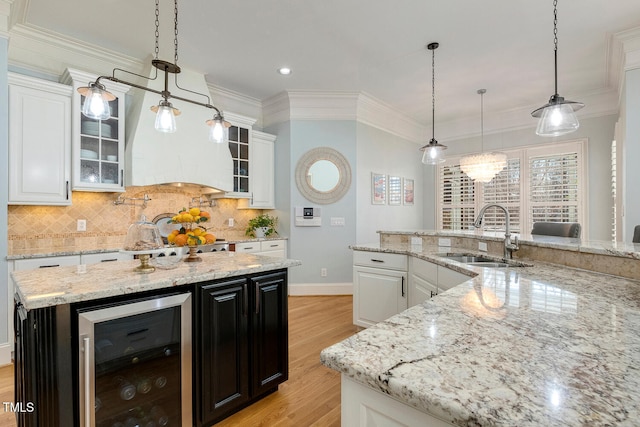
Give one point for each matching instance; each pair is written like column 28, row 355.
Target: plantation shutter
column 456, row 198
column 555, row 187
column 503, row 189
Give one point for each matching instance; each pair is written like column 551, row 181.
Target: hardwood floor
column 311, row 396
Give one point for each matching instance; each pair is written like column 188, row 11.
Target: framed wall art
column 395, row 190
column 378, row 188
column 408, row 191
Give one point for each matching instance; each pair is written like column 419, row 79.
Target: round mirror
column 323, row 175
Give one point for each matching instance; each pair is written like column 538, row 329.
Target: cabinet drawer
column 248, row 247
column 271, row 245
column 380, row 260
column 424, row 269
column 58, row 261
column 103, row 257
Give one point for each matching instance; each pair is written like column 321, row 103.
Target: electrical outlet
column 82, row 225
column 444, row 242
column 482, row 246
column 231, row 222
column 323, row 272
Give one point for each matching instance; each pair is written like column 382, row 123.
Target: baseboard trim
column 308, row 289
column 5, row 354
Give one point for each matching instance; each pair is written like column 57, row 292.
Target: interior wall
column 383, row 153
column 631, row 154
column 5, row 346
column 326, row 246
column 599, row 132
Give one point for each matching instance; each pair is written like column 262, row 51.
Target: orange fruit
column 209, row 238
column 205, row 215
column 181, row 240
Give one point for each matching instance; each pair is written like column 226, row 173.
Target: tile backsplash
column 50, row 229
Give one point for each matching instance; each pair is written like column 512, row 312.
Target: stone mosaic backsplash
column 47, row 229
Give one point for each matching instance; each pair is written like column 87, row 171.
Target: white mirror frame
column 323, row 197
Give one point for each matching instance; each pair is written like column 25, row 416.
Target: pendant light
column 97, row 98
column 432, row 152
column 557, row 117
column 483, row 167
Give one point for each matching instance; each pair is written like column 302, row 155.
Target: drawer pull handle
column 376, row 260
column 274, row 246
column 49, row 266
column 248, row 248
column 109, row 260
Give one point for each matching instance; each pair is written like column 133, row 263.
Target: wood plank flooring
column 311, row 396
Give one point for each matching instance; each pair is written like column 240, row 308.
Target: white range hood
column 185, row 157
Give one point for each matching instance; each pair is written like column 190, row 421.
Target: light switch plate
column 482, row 246
column 444, row 242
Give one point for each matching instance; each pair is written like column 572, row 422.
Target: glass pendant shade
column 432, row 153
column 165, row 117
column 484, row 166
column 216, row 130
column 557, row 119
column 96, row 102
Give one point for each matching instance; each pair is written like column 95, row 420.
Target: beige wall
column 48, row 229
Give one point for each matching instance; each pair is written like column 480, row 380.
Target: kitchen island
column 102, row 344
column 541, row 345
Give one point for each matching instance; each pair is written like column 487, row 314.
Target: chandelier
column 483, row 167
column 557, row 117
column 96, row 104
column 432, row 152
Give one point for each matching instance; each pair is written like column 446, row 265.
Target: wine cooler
column 135, row 363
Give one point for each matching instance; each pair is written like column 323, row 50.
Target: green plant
column 263, row 220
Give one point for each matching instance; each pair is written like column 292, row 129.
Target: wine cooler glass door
column 135, row 363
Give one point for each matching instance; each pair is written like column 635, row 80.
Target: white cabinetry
column 274, row 248
column 39, row 142
column 98, row 145
column 104, row 257
column 427, row 279
column 363, row 406
column 262, row 171
column 46, row 262
column 379, row 286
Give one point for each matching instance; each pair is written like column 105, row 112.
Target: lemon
column 187, row 217
column 171, row 238
column 198, row 231
column 194, row 211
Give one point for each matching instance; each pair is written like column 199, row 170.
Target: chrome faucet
column 509, row 247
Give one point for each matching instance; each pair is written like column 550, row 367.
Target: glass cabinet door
column 239, row 147
column 99, row 148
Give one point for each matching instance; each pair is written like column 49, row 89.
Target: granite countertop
column 64, row 285
column 598, row 247
column 107, row 250
column 540, row 345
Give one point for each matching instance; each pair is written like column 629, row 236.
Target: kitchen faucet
column 509, row 247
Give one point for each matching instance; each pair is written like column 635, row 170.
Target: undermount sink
column 481, row 260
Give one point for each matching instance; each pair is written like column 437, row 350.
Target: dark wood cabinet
column 270, row 359
column 223, row 349
column 242, row 346
column 240, row 350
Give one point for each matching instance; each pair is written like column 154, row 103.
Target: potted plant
column 263, row 225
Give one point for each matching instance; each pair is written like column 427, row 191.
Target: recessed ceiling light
column 285, row 71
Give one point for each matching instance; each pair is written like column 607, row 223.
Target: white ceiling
column 377, row 47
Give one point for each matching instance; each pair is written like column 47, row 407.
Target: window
column 550, row 175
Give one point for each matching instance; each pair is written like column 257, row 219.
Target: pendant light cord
column 482, row 92
column 175, row 30
column 555, row 44
column 433, row 94
column 157, row 49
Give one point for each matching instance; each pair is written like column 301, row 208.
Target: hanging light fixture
column 432, row 152
column 483, row 166
column 557, row 117
column 96, row 104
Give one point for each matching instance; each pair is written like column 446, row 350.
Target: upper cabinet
column 97, row 145
column 253, row 164
column 39, row 142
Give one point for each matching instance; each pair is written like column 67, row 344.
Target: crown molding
column 49, row 52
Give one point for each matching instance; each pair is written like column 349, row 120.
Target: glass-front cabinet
column 97, row 145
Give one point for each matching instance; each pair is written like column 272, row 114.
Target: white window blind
column 457, row 198
column 540, row 183
column 503, row 189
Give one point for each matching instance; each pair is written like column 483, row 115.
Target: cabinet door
column 377, row 294
column 39, row 142
column 448, row 278
column 223, row 352
column 423, row 282
column 262, row 171
column 270, row 332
